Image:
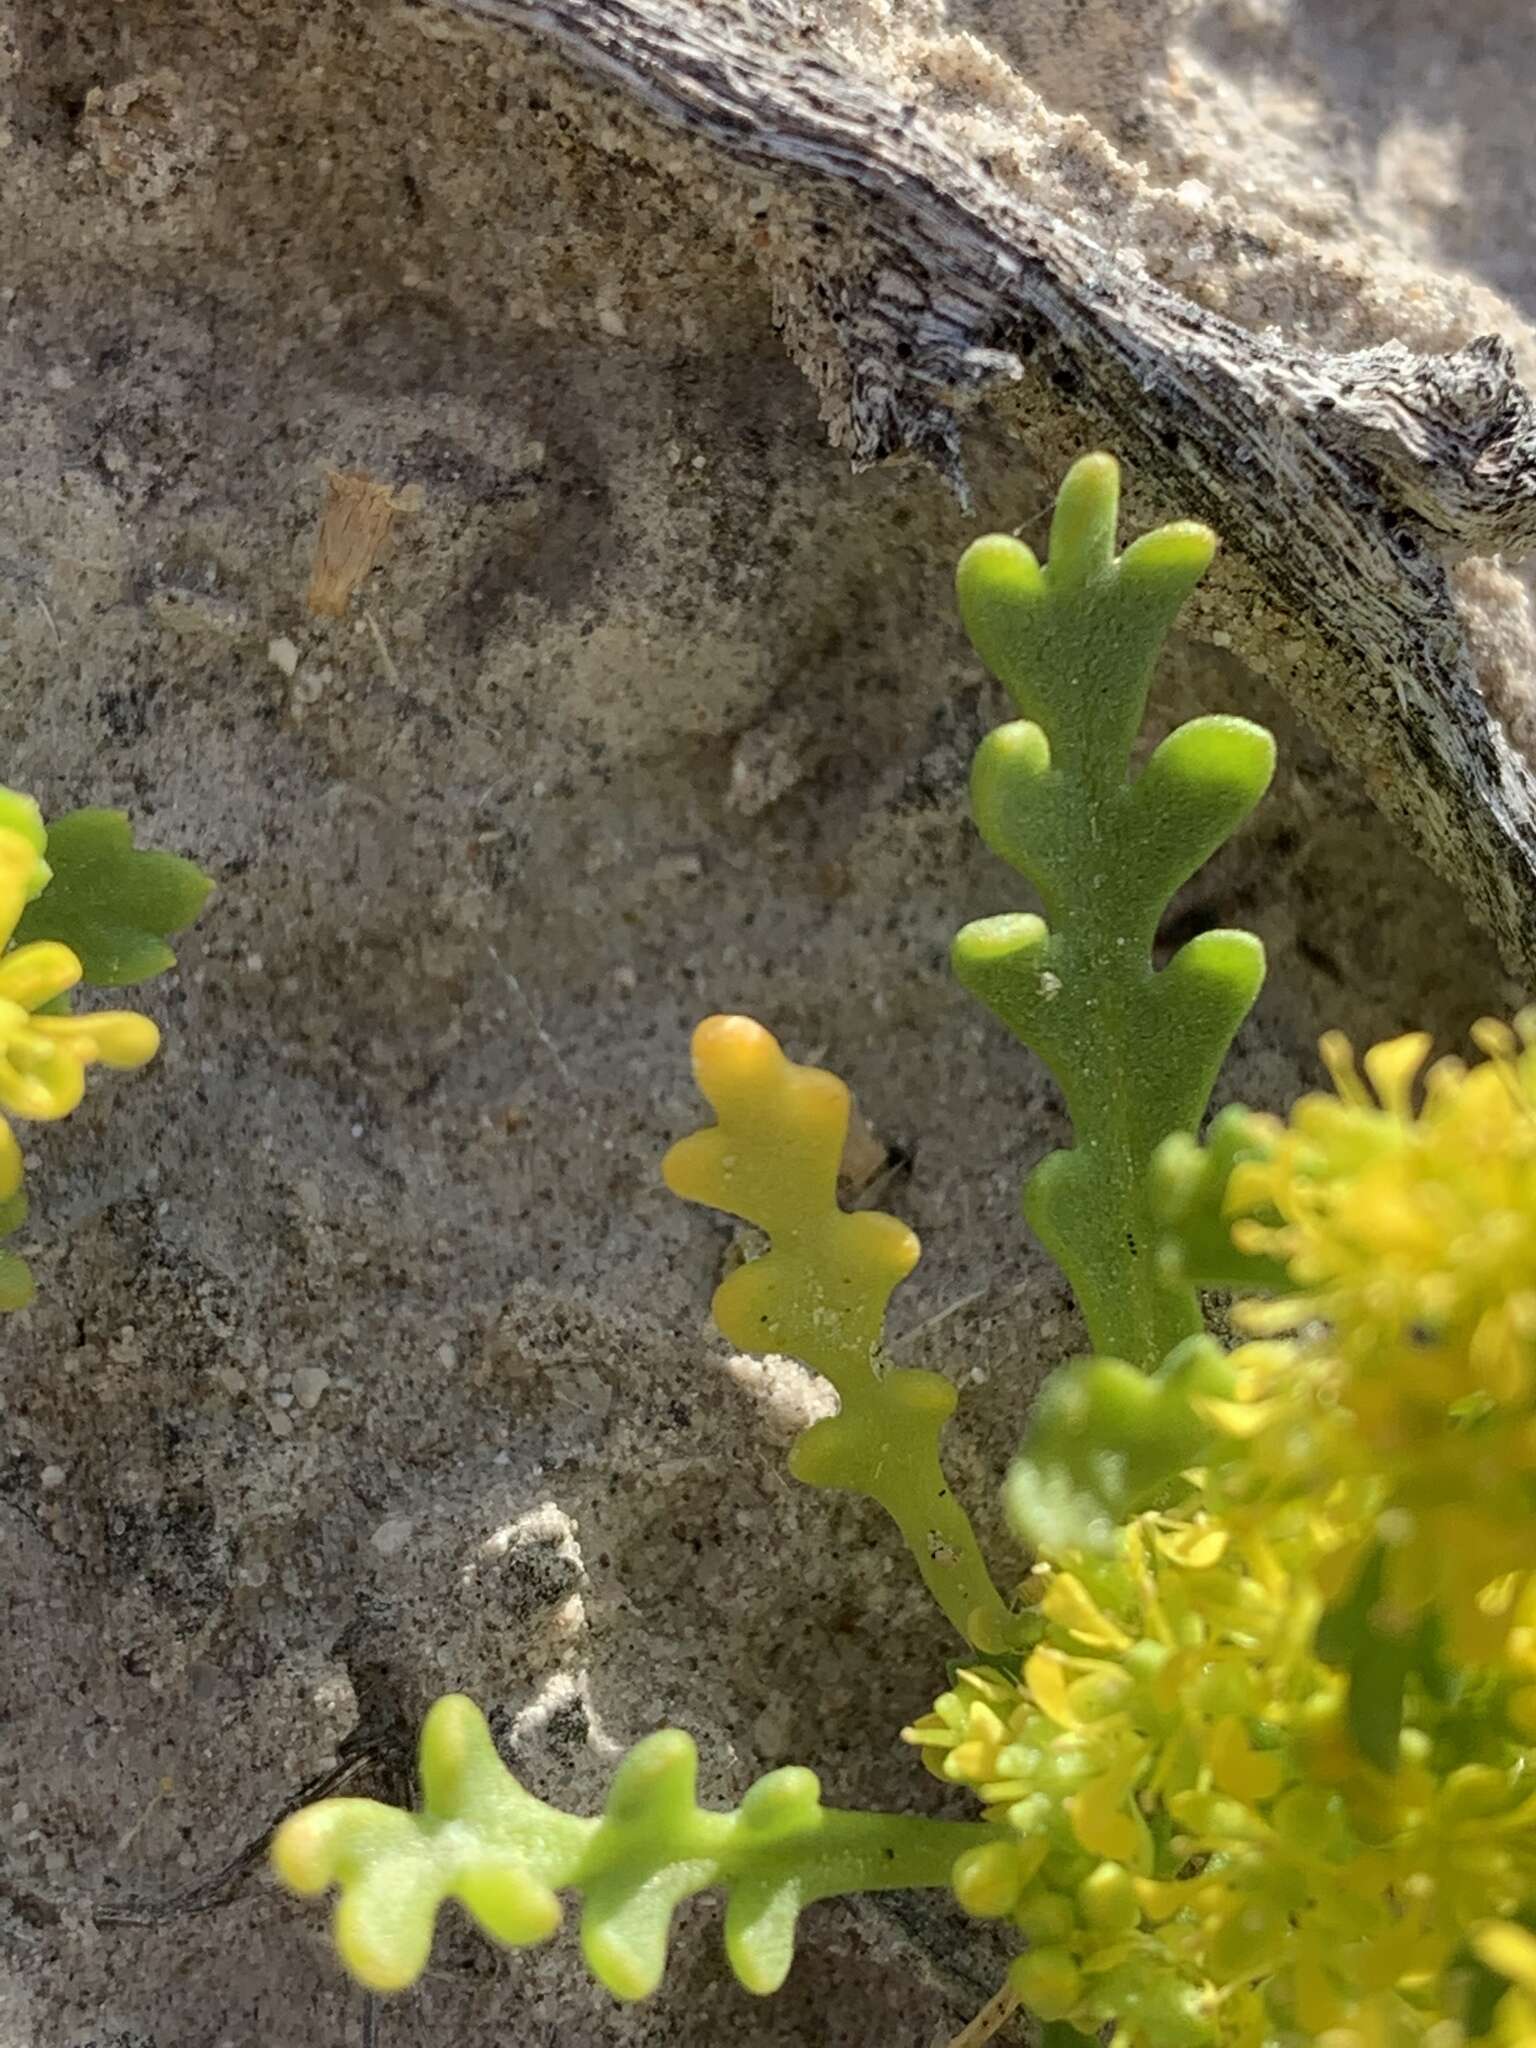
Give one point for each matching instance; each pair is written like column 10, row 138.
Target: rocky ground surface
column 370, row 1360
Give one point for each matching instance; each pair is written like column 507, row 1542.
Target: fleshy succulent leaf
column 1103, row 1439
column 1191, row 1200
column 819, row 1294
column 113, row 904
column 479, row 1838
column 1135, row 1050
column 483, row 1840
column 16, row 1283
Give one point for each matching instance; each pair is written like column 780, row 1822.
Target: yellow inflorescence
column 1204, row 1856
column 1410, row 1239
column 43, row 1059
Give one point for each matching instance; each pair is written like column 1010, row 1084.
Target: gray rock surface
column 371, row 1360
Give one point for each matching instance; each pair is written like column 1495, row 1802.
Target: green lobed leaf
column 1104, row 1440
column 819, row 1294
column 1189, row 1199
column 16, row 1283
column 1135, row 1051
column 17, row 1287
column 112, row 903
column 480, row 1838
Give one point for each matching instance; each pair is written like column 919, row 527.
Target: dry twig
column 915, row 288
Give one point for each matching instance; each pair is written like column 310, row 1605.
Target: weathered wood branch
column 915, row 287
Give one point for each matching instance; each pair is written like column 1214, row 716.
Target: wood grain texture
column 913, row 288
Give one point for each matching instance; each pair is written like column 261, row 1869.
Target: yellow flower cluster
column 1204, row 1858
column 1410, row 1240
column 1202, row 1855
column 43, row 1058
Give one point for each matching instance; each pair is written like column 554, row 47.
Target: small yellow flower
column 20, row 814
column 43, row 1059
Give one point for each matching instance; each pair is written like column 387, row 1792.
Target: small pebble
column 52, row 1476
column 391, row 1536
column 309, row 1383
column 283, row 655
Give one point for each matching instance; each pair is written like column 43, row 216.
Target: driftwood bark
column 914, row 288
